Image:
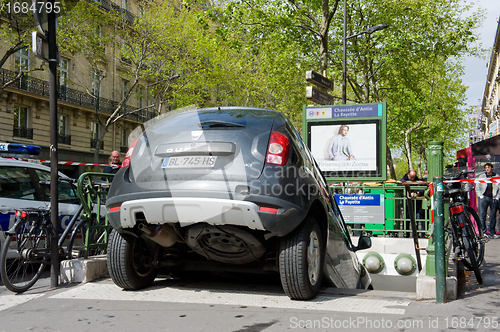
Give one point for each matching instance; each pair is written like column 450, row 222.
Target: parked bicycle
column 464, row 225
column 27, row 248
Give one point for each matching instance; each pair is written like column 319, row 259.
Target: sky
column 476, row 69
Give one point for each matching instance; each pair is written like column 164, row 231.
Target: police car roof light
column 20, row 149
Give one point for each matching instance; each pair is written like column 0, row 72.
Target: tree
column 414, row 65
column 15, row 31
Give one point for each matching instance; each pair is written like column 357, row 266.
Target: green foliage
column 256, row 52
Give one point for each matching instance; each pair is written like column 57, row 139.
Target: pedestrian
column 418, row 211
column 115, row 163
column 488, row 194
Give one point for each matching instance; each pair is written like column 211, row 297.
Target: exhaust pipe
column 164, row 235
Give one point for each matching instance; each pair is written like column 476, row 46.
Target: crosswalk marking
column 185, row 294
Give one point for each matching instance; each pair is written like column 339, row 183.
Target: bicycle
column 463, row 224
column 21, row 266
column 26, row 250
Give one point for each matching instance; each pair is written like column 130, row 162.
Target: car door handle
column 5, row 208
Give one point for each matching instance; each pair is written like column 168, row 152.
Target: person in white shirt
column 340, row 146
column 489, row 195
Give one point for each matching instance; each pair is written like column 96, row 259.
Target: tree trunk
column 100, row 138
column 407, row 145
column 390, row 163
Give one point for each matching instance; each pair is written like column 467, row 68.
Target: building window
column 98, row 34
column 124, row 88
column 124, row 50
column 63, row 79
column 124, row 141
column 23, row 63
column 140, row 97
column 94, row 134
column 125, row 4
column 94, row 130
column 62, row 130
column 96, row 86
column 23, row 59
column 21, row 123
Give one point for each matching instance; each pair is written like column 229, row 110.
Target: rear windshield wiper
column 220, row 124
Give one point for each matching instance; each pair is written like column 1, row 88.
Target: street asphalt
column 251, row 304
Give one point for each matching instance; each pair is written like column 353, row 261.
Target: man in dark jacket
column 411, row 195
column 115, row 163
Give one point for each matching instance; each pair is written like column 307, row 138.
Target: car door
column 68, row 197
column 20, row 189
column 17, row 191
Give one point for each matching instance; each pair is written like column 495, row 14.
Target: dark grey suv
column 229, row 189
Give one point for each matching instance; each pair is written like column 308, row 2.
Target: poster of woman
column 345, row 147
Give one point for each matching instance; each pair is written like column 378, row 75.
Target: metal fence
column 399, row 207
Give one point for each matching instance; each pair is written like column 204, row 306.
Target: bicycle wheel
column 477, row 231
column 471, row 252
column 468, row 233
column 96, row 240
column 20, row 268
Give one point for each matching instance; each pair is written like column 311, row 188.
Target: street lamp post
column 344, row 62
column 173, row 77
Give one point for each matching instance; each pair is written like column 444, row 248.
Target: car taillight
column 279, row 147
column 126, row 160
column 457, row 209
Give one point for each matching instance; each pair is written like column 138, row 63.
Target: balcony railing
column 127, row 16
column 108, row 5
column 93, row 144
column 41, row 87
column 23, row 132
column 64, row 139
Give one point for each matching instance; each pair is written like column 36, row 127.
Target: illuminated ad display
column 348, row 141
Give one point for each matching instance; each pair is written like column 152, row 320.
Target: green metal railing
column 93, row 189
column 397, row 210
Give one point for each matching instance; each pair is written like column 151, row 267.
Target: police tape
column 68, row 163
column 494, row 179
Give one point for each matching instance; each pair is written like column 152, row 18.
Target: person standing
column 489, row 195
column 414, row 197
column 115, row 163
column 340, row 146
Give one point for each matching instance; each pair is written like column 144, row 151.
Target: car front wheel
column 301, row 260
column 129, row 261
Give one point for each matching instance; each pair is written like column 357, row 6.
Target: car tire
column 301, row 259
column 129, row 261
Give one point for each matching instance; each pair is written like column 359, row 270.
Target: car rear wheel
column 301, row 260
column 129, row 261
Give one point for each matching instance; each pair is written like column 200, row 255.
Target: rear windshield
column 213, row 119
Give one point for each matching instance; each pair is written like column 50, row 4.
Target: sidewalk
column 212, row 305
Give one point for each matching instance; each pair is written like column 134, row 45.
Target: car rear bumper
column 160, row 207
column 187, row 211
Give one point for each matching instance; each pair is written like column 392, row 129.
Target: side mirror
column 364, row 242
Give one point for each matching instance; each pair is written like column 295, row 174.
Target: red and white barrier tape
column 68, row 163
column 494, row 179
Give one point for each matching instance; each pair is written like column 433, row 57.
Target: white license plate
column 189, row 162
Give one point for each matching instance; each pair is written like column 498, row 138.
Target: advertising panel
column 348, row 141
